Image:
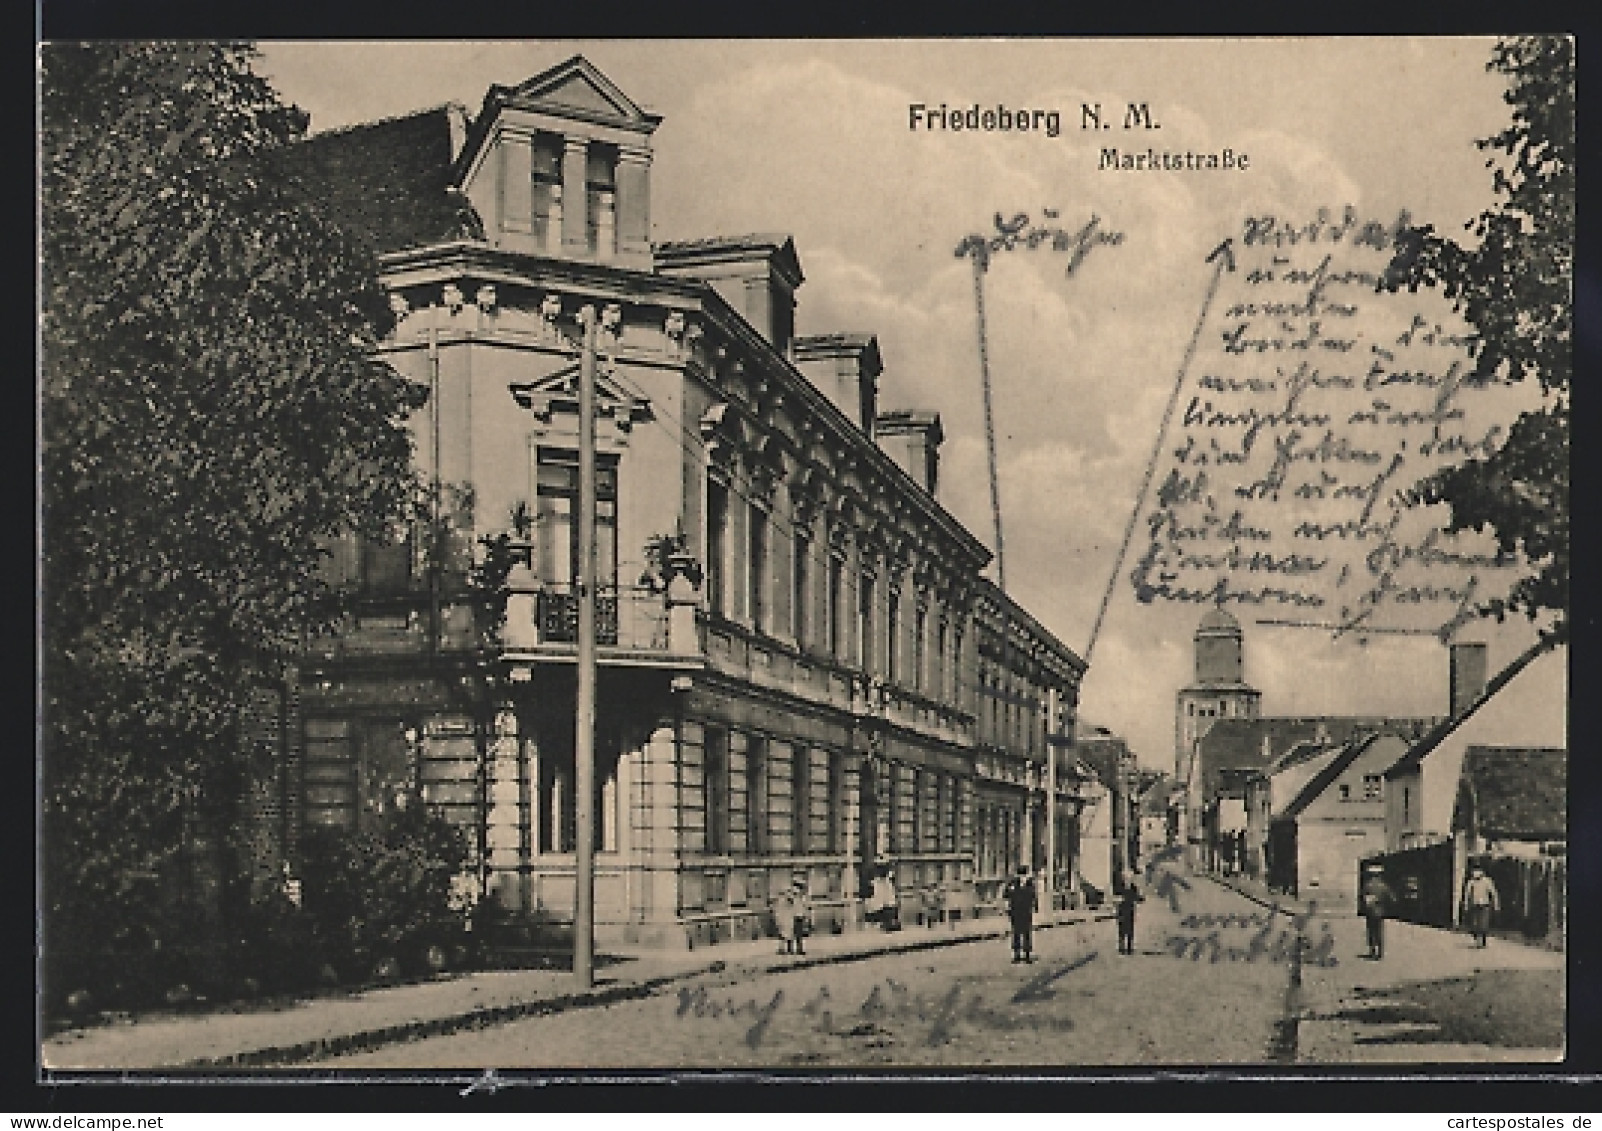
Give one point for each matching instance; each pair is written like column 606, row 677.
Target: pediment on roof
column 557, row 393
column 577, row 85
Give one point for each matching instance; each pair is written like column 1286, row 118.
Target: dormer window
column 600, row 183
column 559, row 165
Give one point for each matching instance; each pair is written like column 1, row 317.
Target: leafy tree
column 1515, row 287
column 386, row 894
column 212, row 413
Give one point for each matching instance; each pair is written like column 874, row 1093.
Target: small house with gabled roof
column 1331, row 816
column 1524, row 705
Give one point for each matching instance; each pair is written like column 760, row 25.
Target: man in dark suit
column 1126, row 915
column 1375, row 901
column 1021, row 903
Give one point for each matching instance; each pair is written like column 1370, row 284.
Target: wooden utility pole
column 990, row 426
column 436, row 485
column 1051, row 798
column 584, row 716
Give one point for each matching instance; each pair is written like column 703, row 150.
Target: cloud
column 1082, row 366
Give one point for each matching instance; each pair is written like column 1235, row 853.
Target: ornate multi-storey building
column 802, row 671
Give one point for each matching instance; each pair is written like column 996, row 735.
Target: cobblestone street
column 1210, row 984
column 1080, row 1003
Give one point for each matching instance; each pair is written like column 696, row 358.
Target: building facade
column 1227, row 748
column 1332, row 820
column 802, row 672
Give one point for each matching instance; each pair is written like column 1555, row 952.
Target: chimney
column 1469, row 663
column 757, row 275
column 456, row 121
column 912, row 439
column 845, row 368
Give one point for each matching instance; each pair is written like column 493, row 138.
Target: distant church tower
column 1220, row 691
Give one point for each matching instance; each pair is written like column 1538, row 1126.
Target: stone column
column 575, row 196
column 531, row 816
column 737, row 601
column 522, row 621
column 516, row 202
column 851, row 818
column 683, row 598
column 758, row 304
column 634, row 202
column 504, row 835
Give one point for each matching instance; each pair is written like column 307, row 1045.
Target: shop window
column 801, row 799
column 758, row 835
column 717, row 791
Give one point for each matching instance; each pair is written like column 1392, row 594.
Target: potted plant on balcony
column 667, row 556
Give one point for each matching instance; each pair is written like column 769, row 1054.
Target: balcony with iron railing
column 631, row 623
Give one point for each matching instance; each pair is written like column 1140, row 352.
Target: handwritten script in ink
column 1288, row 944
column 1313, row 406
column 891, row 1001
column 1019, row 233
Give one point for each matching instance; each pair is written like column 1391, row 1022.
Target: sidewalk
column 331, row 1024
column 1433, row 998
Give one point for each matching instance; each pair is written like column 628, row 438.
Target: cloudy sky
column 813, row 138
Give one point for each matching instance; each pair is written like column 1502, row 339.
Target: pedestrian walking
column 885, row 903
column 784, row 919
column 1127, row 900
column 1480, row 902
column 1021, row 901
column 1374, row 901
column 800, row 914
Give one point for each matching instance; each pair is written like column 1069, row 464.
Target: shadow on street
column 1507, row 1008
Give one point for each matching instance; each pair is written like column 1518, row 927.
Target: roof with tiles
column 1513, row 793
column 388, row 183
column 1326, row 772
column 1257, row 744
column 1104, row 752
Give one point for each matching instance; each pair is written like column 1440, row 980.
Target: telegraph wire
column 1224, row 256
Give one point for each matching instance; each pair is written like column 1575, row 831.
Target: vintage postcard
column 816, row 555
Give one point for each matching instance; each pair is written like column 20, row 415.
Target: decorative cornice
column 721, row 434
